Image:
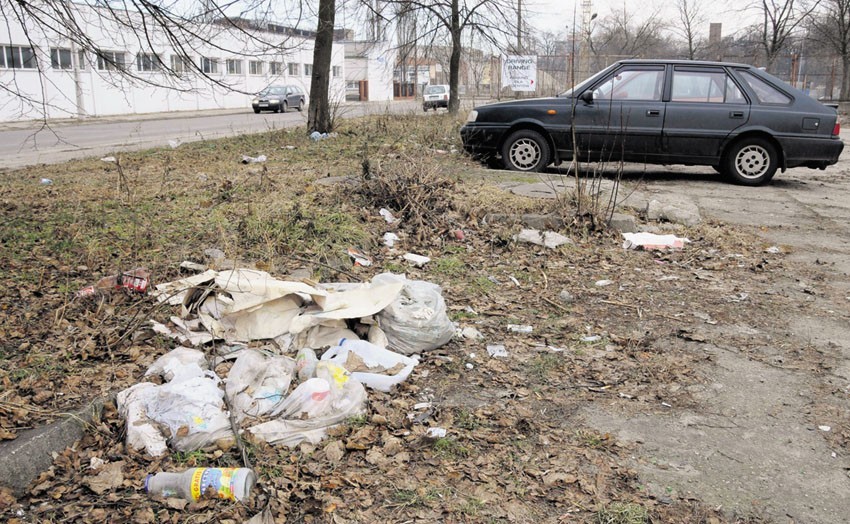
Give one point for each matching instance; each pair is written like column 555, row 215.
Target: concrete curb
column 22, row 460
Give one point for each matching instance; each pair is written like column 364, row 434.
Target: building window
column 110, row 60
column 336, row 71
column 255, row 67
column 308, row 69
column 17, row 57
column 209, row 65
column 180, row 64
column 234, row 67
column 275, row 68
column 293, row 69
column 60, row 58
column 147, row 62
column 82, row 61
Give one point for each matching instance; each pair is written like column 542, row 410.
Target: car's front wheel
column 751, row 161
column 285, row 107
column 257, row 110
column 526, row 150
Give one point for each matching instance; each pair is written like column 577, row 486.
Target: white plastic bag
column 193, row 410
column 416, row 320
column 305, row 363
column 181, row 363
column 327, row 400
column 256, row 383
column 376, row 359
column 141, row 432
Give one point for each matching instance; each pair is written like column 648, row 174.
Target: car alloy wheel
column 752, row 161
column 526, row 150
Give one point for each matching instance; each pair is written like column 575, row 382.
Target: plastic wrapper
column 372, row 366
column 181, row 363
column 305, row 363
column 313, row 407
column 142, row 433
column 256, row 383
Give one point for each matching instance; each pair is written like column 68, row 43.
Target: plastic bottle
column 203, row 483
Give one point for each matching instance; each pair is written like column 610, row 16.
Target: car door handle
column 736, row 114
column 653, row 112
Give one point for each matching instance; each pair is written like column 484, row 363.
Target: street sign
column 519, row 72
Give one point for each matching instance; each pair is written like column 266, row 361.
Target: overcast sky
column 556, row 15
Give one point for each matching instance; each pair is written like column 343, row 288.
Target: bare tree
column 691, row 17
column 622, row 35
column 831, row 28
column 780, row 21
column 495, row 20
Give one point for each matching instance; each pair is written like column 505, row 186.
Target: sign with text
column 519, row 72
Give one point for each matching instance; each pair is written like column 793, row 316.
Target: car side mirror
column 586, row 97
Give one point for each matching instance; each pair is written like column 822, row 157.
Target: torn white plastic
column 256, row 383
column 651, row 241
column 141, row 431
column 549, row 239
column 315, row 406
column 355, row 354
column 416, row 260
column 180, row 363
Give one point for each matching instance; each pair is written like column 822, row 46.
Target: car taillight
column 445, row 97
column 837, row 129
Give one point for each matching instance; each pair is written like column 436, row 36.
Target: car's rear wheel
column 300, row 105
column 751, row 161
column 526, row 150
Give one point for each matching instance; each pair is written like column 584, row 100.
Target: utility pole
column 519, row 27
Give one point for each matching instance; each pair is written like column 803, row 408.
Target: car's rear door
column 705, row 106
column 626, row 115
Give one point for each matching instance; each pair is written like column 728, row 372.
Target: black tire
column 717, row 168
column 526, row 150
column 257, row 110
column 300, row 105
column 751, row 161
column 285, row 107
column 425, row 108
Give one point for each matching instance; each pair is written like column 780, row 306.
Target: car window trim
column 707, row 69
column 791, row 98
column 632, row 67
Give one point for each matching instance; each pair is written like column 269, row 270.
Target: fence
column 818, row 75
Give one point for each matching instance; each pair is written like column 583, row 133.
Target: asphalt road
column 23, row 144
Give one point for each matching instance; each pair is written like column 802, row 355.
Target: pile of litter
column 194, row 408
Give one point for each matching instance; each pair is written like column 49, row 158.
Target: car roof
column 682, row 62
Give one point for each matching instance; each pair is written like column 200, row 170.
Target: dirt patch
column 565, row 429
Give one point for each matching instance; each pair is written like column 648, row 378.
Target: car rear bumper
column 435, row 103
column 813, row 152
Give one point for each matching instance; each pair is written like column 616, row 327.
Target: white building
column 369, row 70
column 44, row 75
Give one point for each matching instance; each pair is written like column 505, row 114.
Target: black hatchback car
column 736, row 118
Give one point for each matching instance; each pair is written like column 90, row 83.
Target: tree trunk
column 845, row 78
column 454, row 61
column 319, row 117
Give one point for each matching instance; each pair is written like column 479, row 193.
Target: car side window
column 705, row 86
column 766, row 93
column 631, row 84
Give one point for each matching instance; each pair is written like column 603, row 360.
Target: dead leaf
column 110, row 476
column 334, row 451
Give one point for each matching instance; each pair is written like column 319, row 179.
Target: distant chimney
column 715, row 33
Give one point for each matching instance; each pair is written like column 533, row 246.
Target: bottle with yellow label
column 203, row 483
